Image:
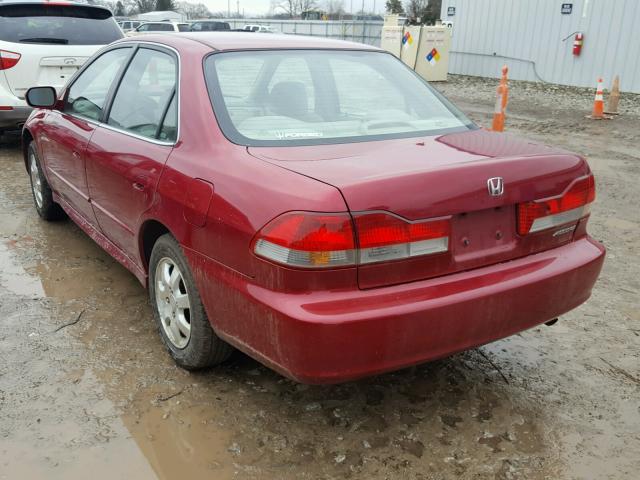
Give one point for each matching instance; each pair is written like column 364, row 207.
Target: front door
column 126, row 155
column 69, row 131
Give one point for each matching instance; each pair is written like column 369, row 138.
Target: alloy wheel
column 36, row 182
column 172, row 302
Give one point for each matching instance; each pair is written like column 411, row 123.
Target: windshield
column 57, row 24
column 305, row 97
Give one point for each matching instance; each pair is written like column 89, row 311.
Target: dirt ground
column 87, row 391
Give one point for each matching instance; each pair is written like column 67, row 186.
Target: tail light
column 319, row 240
column 384, row 237
column 573, row 205
column 308, row 240
column 8, row 59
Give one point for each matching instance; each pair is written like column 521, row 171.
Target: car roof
column 53, row 2
column 63, row 3
column 262, row 41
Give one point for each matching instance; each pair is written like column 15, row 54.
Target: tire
column 186, row 332
column 40, row 189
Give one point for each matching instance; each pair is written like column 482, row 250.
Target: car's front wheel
column 42, row 195
column 178, row 310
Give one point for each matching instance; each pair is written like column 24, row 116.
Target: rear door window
column 169, row 129
column 88, row 94
column 183, row 27
column 57, row 24
column 158, row 27
column 144, row 93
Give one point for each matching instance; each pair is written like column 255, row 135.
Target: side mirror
column 41, row 97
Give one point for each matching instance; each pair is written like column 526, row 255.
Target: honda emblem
column 495, row 185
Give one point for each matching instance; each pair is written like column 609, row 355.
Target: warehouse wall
column 527, row 35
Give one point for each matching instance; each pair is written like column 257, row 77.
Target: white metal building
column 535, row 39
column 160, row 16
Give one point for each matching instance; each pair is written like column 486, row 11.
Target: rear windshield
column 209, row 26
column 57, row 24
column 306, row 97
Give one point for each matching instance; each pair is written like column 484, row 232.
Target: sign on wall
column 566, row 8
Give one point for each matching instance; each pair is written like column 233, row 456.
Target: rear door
column 68, row 131
column 126, row 155
column 53, row 41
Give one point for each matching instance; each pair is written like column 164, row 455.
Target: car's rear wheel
column 178, row 310
column 42, row 195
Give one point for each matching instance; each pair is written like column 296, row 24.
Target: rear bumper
column 14, row 119
column 330, row 337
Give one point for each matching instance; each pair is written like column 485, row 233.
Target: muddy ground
column 87, row 391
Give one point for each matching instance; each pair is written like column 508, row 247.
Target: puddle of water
column 119, row 458
column 15, row 278
column 182, row 442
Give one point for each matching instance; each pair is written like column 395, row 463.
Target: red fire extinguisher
column 577, row 44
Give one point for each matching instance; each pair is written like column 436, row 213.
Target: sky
column 262, row 6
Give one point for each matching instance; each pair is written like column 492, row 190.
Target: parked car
column 45, row 44
column 209, row 26
column 259, row 29
column 128, row 25
column 157, row 27
column 312, row 202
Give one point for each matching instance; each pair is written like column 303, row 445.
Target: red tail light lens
column 8, row 59
column 384, row 237
column 313, row 240
column 309, row 240
column 570, row 207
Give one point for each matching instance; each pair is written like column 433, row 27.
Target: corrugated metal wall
column 529, row 36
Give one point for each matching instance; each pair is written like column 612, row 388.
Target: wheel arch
column 150, row 231
column 27, row 138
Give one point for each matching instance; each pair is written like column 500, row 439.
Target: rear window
column 209, row 26
column 57, row 24
column 307, row 97
column 156, row 27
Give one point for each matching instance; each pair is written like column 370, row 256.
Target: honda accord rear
column 320, row 207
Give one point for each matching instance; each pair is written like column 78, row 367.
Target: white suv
column 44, row 43
column 160, row 27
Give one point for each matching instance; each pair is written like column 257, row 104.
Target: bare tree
column 145, row 6
column 288, row 7
column 307, row 5
column 195, row 10
column 293, row 8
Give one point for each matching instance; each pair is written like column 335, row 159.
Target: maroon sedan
column 312, row 203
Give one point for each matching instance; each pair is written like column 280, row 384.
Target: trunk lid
column 443, row 176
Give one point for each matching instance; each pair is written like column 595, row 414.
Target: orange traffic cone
column 614, row 97
column 598, row 103
column 501, row 103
